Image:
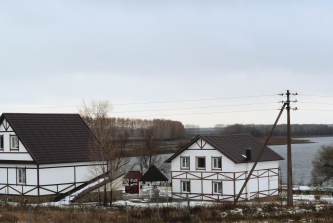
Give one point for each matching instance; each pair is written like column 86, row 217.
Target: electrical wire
column 312, row 110
column 321, row 96
column 172, row 109
column 314, row 103
column 156, row 102
column 201, row 113
column 207, row 99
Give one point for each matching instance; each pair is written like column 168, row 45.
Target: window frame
column 181, row 162
column 196, row 163
column 217, row 183
column 216, row 157
column 187, row 187
column 18, row 143
column 23, row 178
column 2, row 146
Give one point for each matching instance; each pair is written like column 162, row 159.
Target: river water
column 302, row 156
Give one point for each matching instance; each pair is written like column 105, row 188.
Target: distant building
column 215, row 167
column 131, row 181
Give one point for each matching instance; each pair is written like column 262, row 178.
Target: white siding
column 8, row 154
column 61, row 176
column 232, row 175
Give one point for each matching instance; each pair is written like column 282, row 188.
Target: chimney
column 248, row 154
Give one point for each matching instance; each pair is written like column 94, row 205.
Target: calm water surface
column 302, row 156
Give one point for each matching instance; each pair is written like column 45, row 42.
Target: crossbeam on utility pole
column 261, row 152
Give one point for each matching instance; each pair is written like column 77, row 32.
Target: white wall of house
column 6, row 153
column 266, row 184
column 52, row 178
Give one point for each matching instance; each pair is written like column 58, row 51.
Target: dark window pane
column 186, row 186
column 1, row 142
column 201, row 162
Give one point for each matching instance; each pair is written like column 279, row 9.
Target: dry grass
column 244, row 212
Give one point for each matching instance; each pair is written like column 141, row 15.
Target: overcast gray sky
column 56, row 53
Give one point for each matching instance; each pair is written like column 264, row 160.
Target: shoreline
column 282, row 140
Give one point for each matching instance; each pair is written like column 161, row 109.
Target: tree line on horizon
column 132, row 128
column 260, row 130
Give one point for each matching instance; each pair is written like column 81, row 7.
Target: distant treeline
column 132, row 128
column 263, row 130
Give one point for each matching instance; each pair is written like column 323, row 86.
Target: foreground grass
column 245, row 212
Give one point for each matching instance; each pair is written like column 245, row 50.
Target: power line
column 202, row 113
column 39, row 108
column 321, row 96
column 172, row 109
column 156, row 102
column 313, row 110
column 315, row 103
column 206, row 99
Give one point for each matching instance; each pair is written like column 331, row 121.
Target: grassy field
column 273, row 211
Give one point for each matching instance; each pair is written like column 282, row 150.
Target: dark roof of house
column 153, row 174
column 54, row 138
column 133, row 175
column 234, row 146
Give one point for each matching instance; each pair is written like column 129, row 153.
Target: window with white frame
column 185, row 162
column 14, row 142
column 201, row 162
column 186, row 186
column 21, row 176
column 1, row 142
column 217, row 163
column 217, row 187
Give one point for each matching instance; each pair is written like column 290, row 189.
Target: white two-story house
column 215, row 168
column 45, row 154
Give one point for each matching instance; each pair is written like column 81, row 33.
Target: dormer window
column 14, row 143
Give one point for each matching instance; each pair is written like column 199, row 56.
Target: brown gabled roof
column 54, row 138
column 234, row 147
column 153, row 174
column 133, row 175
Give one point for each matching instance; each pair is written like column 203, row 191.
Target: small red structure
column 132, row 180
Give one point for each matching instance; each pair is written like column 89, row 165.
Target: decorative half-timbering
column 45, row 154
column 215, row 168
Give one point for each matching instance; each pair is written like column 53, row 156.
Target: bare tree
column 148, row 147
column 95, row 114
column 323, row 165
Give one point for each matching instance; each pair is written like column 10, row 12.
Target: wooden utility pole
column 289, row 161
